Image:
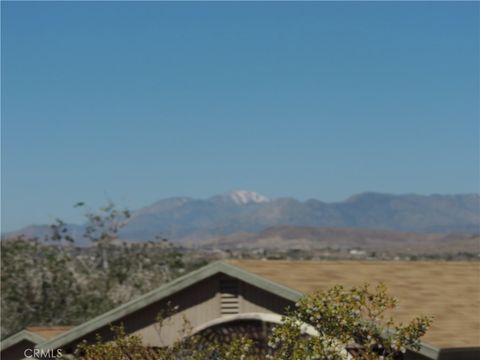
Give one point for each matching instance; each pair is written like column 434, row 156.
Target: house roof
column 450, row 291
column 281, row 278
column 164, row 291
column 23, row 335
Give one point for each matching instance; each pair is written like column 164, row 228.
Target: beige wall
column 199, row 303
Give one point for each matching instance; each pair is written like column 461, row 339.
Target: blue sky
column 141, row 101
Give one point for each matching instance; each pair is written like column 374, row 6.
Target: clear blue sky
column 141, row 101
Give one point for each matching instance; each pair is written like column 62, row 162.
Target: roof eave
column 179, row 284
column 428, row 350
column 21, row 336
column 165, row 291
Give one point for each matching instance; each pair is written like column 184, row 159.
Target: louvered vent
column 229, row 299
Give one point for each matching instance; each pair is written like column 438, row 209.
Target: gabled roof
column 165, row 291
column 23, row 335
column 171, row 288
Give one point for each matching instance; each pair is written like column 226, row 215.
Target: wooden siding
column 255, row 299
column 202, row 303
column 199, row 304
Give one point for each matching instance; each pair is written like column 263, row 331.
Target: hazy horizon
column 79, row 219
column 142, row 101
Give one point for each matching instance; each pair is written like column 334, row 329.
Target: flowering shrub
column 339, row 324
column 345, row 324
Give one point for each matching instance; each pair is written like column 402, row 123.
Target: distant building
column 250, row 296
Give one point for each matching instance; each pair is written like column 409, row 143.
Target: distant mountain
column 43, row 231
column 241, row 197
column 185, row 218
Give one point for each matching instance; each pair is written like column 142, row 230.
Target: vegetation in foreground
column 338, row 324
column 52, row 282
column 47, row 282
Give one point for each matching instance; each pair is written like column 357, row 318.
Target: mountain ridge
column 185, row 218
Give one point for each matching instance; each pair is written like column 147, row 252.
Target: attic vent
column 229, row 300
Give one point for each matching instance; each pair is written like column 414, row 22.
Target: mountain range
column 186, row 219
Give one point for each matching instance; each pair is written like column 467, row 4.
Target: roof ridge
column 166, row 290
column 19, row 336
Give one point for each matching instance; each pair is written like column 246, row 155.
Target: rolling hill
column 185, row 219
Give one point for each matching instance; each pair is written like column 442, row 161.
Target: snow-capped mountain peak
column 242, row 197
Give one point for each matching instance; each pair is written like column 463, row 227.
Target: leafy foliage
column 53, row 282
column 346, row 324
column 338, row 324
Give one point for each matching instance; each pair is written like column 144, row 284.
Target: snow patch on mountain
column 242, row 197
